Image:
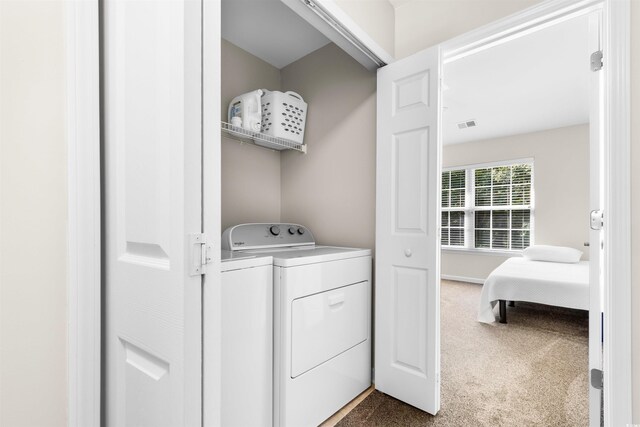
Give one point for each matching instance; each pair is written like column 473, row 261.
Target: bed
column 520, row 279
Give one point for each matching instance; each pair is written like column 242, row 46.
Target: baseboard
column 462, row 279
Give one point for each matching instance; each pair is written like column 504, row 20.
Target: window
column 453, row 207
column 488, row 207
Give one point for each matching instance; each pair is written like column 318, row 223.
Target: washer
column 321, row 322
column 246, row 348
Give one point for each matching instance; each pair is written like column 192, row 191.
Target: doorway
column 516, row 175
column 614, row 93
column 404, row 137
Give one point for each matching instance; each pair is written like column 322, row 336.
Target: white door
column 407, row 309
column 596, row 237
column 152, row 198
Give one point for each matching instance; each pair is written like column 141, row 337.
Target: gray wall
column 561, row 185
column 250, row 175
column 332, row 188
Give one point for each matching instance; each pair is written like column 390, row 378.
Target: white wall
column 33, row 215
column 331, row 189
column 250, row 175
column 561, row 185
column 375, row 17
column 424, row 23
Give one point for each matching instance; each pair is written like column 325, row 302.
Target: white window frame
column 470, row 208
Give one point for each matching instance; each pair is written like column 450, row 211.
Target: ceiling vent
column 467, row 124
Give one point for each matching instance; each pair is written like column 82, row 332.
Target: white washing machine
column 246, row 348
column 321, row 323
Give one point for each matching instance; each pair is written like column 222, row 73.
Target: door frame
column 84, row 213
column 84, row 243
column 617, row 358
column 211, row 207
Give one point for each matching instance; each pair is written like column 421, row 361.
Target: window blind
column 491, row 211
column 454, row 188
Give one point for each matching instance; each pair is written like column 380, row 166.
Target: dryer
column 321, row 320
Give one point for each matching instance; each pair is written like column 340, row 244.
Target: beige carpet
column 529, row 372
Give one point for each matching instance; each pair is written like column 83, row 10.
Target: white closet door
column 152, row 198
column 407, row 316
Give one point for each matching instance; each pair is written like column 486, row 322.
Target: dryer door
column 326, row 324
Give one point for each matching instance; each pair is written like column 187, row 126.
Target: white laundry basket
column 284, row 115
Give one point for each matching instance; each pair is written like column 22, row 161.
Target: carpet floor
column 529, row 372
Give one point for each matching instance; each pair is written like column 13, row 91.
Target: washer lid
column 239, row 260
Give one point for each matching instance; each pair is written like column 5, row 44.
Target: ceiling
column 535, row 82
column 269, row 30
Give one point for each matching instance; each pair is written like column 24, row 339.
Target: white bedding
column 519, row 279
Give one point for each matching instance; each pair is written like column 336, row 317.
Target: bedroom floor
column 531, row 371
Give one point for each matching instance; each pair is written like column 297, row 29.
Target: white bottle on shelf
column 248, row 108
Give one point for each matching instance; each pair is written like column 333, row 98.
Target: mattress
column 551, row 283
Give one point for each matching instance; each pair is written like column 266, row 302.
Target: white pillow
column 552, row 254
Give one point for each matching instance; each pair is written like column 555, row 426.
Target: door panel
column 407, row 362
column 152, row 198
column 410, row 325
column 411, row 154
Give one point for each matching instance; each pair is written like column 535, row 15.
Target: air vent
column 467, row 124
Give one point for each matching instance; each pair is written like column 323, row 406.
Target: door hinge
column 200, row 254
column 596, row 220
column 596, row 61
column 597, row 379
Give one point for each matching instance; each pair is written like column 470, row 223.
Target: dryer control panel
column 266, row 235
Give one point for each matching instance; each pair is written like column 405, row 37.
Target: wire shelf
column 261, row 139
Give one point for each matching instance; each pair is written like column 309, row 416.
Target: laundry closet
column 192, row 202
column 323, row 186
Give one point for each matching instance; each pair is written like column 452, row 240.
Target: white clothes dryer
column 322, row 320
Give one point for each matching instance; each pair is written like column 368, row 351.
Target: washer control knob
column 275, row 230
column 292, row 230
column 300, row 230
